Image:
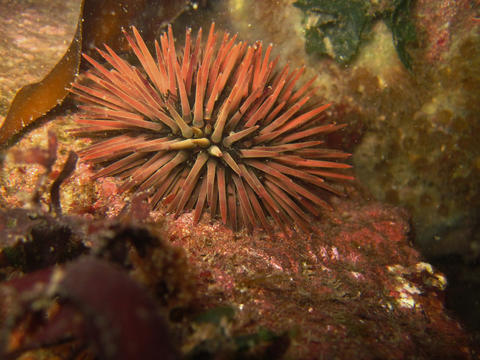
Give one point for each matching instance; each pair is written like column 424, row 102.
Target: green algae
column 337, row 28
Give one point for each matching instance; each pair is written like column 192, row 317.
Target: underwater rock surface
column 357, row 285
column 354, row 287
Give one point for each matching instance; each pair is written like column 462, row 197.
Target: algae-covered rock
column 337, row 28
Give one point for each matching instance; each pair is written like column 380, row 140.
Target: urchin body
column 215, row 127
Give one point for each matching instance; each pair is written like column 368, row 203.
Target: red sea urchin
column 210, row 128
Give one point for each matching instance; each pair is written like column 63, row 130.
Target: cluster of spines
column 218, row 128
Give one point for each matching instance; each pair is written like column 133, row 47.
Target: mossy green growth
column 403, row 29
column 337, row 27
column 215, row 315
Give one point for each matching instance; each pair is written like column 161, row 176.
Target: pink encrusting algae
column 217, row 129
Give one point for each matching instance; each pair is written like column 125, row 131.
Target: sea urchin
column 210, row 128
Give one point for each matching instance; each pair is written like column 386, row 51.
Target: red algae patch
column 353, row 289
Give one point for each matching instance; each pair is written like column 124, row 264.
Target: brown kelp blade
column 98, row 22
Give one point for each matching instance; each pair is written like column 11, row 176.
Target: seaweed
column 403, row 30
column 89, row 299
column 222, row 343
column 98, row 22
column 337, row 28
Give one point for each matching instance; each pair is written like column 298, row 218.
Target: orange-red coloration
column 213, row 128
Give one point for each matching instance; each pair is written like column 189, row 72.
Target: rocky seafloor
column 362, row 285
